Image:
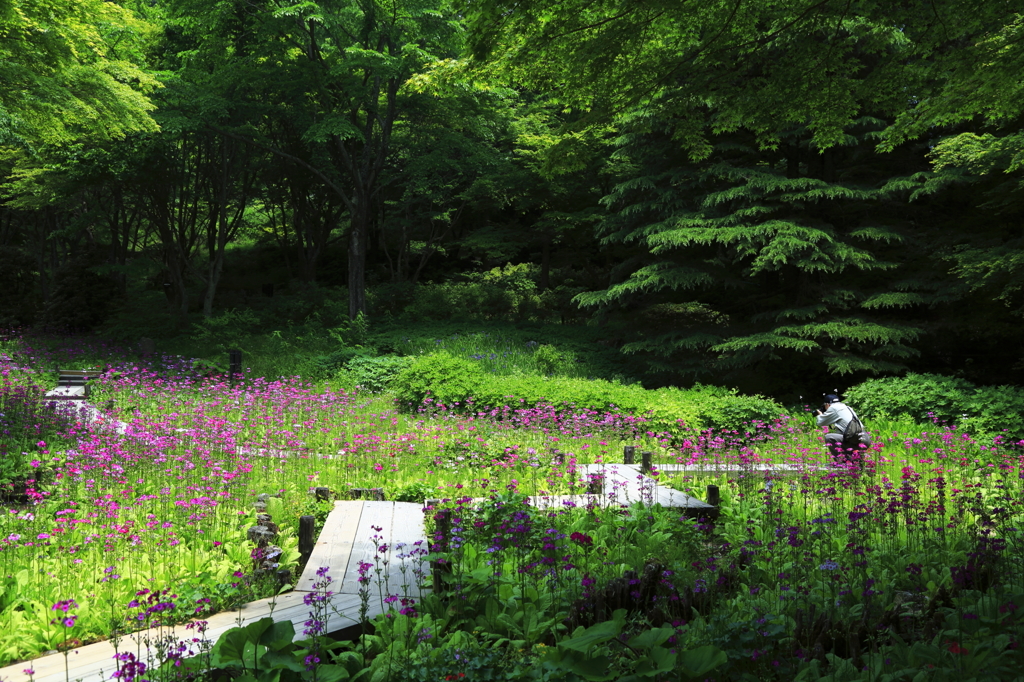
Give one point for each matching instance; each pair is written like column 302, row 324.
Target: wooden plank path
column 760, row 468
column 347, row 540
column 342, row 544
column 625, row 484
column 72, row 398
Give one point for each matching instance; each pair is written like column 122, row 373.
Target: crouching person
column 846, row 438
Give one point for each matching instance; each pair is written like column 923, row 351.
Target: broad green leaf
column 702, row 660
column 592, row 636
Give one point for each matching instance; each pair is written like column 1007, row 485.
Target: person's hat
column 831, row 398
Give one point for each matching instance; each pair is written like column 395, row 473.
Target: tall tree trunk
column 357, row 260
column 214, row 270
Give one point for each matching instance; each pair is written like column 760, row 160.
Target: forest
column 761, row 195
column 418, row 340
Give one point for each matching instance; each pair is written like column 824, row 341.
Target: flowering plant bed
column 908, row 563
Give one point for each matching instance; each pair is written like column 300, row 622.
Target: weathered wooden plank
column 407, row 564
column 624, row 484
column 583, row 501
column 95, row 662
column 334, row 545
column 66, row 393
column 376, row 521
column 759, row 468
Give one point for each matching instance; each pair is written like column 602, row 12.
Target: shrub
column 449, row 380
column 507, row 293
column 550, row 360
column 225, row 329
column 984, row 410
column 441, row 377
column 375, row 374
column 320, row 367
column 417, row 491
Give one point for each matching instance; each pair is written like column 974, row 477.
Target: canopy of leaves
column 71, row 70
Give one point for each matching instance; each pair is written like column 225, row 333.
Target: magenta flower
column 65, row 605
column 582, row 539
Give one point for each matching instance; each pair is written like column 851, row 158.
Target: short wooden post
column 322, row 494
column 234, row 364
column 306, row 526
column 442, row 535
column 714, row 496
column 629, row 454
column 595, row 486
column 645, row 462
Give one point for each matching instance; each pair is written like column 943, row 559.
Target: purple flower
column 65, row 605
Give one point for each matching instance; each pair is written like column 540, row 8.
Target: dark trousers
column 841, row 455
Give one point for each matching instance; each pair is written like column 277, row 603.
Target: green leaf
column 229, row 650
column 282, row 661
column 651, row 638
column 700, row 661
column 331, row 673
column 592, row 636
column 278, row 636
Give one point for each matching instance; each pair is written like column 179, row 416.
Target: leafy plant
column 449, row 381
column 932, row 397
column 550, row 360
column 375, row 374
column 417, row 491
column 320, row 367
column 226, row 329
column 264, row 651
column 599, row 653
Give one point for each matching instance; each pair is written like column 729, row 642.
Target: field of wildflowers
column 908, row 562
column 167, row 498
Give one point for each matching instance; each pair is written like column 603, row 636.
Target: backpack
column 854, row 435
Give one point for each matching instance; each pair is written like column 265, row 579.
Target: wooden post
column 306, row 526
column 714, row 496
column 595, row 486
column 629, row 454
column 322, row 494
column 645, row 462
column 443, row 518
column 234, row 364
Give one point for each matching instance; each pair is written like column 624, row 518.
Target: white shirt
column 837, row 416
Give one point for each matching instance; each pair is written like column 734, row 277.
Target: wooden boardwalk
column 345, row 541
column 625, row 484
column 760, row 469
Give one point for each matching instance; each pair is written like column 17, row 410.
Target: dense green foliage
column 441, row 380
column 767, row 196
column 990, row 410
